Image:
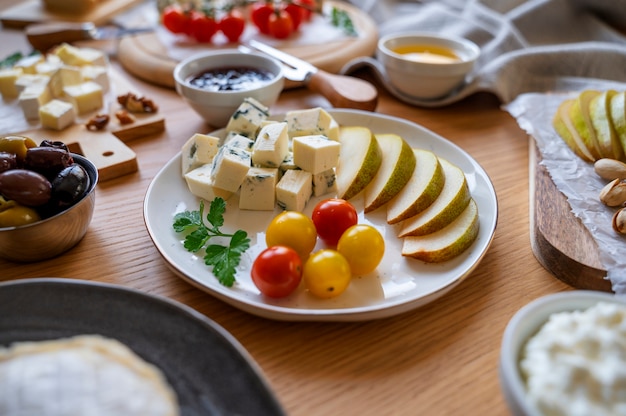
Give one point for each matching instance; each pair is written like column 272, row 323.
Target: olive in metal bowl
column 48, row 161
column 26, row 187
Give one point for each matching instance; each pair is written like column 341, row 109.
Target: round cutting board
column 146, row 57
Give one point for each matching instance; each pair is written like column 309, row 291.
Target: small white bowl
column 216, row 107
column 426, row 79
column 524, row 324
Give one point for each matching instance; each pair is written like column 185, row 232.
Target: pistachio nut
column 610, row 169
column 614, row 193
column 619, row 221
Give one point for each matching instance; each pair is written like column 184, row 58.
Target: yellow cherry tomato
column 326, row 274
column 292, row 229
column 363, row 246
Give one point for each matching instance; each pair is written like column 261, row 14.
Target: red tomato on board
column 332, row 217
column 232, row 25
column 307, row 6
column 202, row 27
column 277, row 271
column 297, row 14
column 174, row 19
column 260, row 15
column 280, row 24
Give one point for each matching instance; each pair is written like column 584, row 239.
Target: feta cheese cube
column 97, row 74
column 229, row 168
column 258, row 190
column 199, row 149
column 237, row 140
column 57, row 114
column 86, row 97
column 201, row 185
column 247, row 119
column 32, row 98
column 311, row 121
column 8, row 77
column 63, row 77
column 315, row 154
column 27, row 80
column 271, row 145
column 294, row 189
column 324, row 182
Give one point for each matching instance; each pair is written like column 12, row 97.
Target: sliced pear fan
column 359, row 160
column 579, row 114
column 618, row 117
column 600, row 112
column 564, row 127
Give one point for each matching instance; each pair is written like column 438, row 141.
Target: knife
column 341, row 91
column 44, row 36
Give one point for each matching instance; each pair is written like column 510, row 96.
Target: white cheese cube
column 237, row 140
column 229, row 168
column 32, row 98
column 315, row 154
column 28, row 64
column 200, row 149
column 27, row 80
column 311, row 121
column 49, row 66
column 200, row 184
column 8, row 77
column 72, row 55
column 248, row 117
column 258, row 190
column 324, row 182
column 57, row 114
column 288, row 163
column 86, row 97
column 294, row 189
column 271, row 145
column 97, row 74
column 63, row 77
column 333, row 131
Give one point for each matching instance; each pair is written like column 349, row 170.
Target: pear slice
column 448, row 242
column 422, row 189
column 359, row 160
column 581, row 120
column 600, row 111
column 565, row 128
column 618, row 116
column 452, row 200
column 394, row 172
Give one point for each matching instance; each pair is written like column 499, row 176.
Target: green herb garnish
column 224, row 259
column 342, row 20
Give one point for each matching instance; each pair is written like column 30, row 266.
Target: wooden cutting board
column 147, row 58
column 33, row 11
column 559, row 240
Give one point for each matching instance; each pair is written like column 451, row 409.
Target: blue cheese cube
column 230, row 167
column 247, row 119
column 199, row 149
column 315, row 154
column 201, row 185
column 294, row 190
column 312, row 121
column 237, row 140
column 258, row 190
column 32, row 98
column 271, row 145
column 288, row 163
column 56, row 114
column 324, row 182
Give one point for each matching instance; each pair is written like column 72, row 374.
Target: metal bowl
column 54, row 235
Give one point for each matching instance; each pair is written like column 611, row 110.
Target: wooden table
column 441, row 359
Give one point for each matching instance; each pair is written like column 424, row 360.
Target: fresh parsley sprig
column 341, row 19
column 224, row 259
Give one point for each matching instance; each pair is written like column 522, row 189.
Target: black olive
column 8, row 161
column 55, row 144
column 48, row 161
column 70, row 185
column 25, row 187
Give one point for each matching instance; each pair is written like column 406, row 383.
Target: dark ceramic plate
column 209, row 370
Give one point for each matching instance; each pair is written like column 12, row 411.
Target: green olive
column 17, row 145
column 13, row 214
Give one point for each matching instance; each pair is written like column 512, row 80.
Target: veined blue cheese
column 199, row 149
column 247, row 119
column 271, row 145
column 229, row 168
column 294, row 190
column 32, row 98
column 324, row 182
column 201, row 185
column 86, row 97
column 312, row 121
column 258, row 190
column 316, row 153
column 237, row 140
column 288, row 163
column 57, row 114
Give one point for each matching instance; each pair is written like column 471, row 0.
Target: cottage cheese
column 576, row 363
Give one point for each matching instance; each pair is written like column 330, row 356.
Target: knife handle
column 343, row 91
column 43, row 36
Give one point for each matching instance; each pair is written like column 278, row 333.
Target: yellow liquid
column 428, row 53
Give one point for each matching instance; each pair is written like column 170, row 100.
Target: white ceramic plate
column 398, row 285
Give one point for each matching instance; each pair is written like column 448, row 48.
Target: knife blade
column 44, row 36
column 341, row 91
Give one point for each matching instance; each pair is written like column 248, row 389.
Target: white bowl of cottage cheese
column 565, row 354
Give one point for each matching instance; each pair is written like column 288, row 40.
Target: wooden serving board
column 33, row 11
column 559, row 240
column 147, row 58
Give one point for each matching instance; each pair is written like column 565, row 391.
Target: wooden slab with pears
column 593, row 125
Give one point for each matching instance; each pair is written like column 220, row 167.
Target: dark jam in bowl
column 231, row 79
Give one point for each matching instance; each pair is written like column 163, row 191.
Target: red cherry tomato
column 232, row 25
column 260, row 15
column 202, row 27
column 297, row 14
column 280, row 24
column 307, row 6
column 332, row 217
column 277, row 271
column 174, row 19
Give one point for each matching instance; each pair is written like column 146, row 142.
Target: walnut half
column 136, row 104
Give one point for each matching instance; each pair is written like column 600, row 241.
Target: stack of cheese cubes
column 58, row 87
column 268, row 162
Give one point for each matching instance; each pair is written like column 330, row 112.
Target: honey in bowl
column 433, row 54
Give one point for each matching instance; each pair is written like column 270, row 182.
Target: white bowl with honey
column 426, row 66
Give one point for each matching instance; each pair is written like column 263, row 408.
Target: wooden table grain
column 440, row 359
